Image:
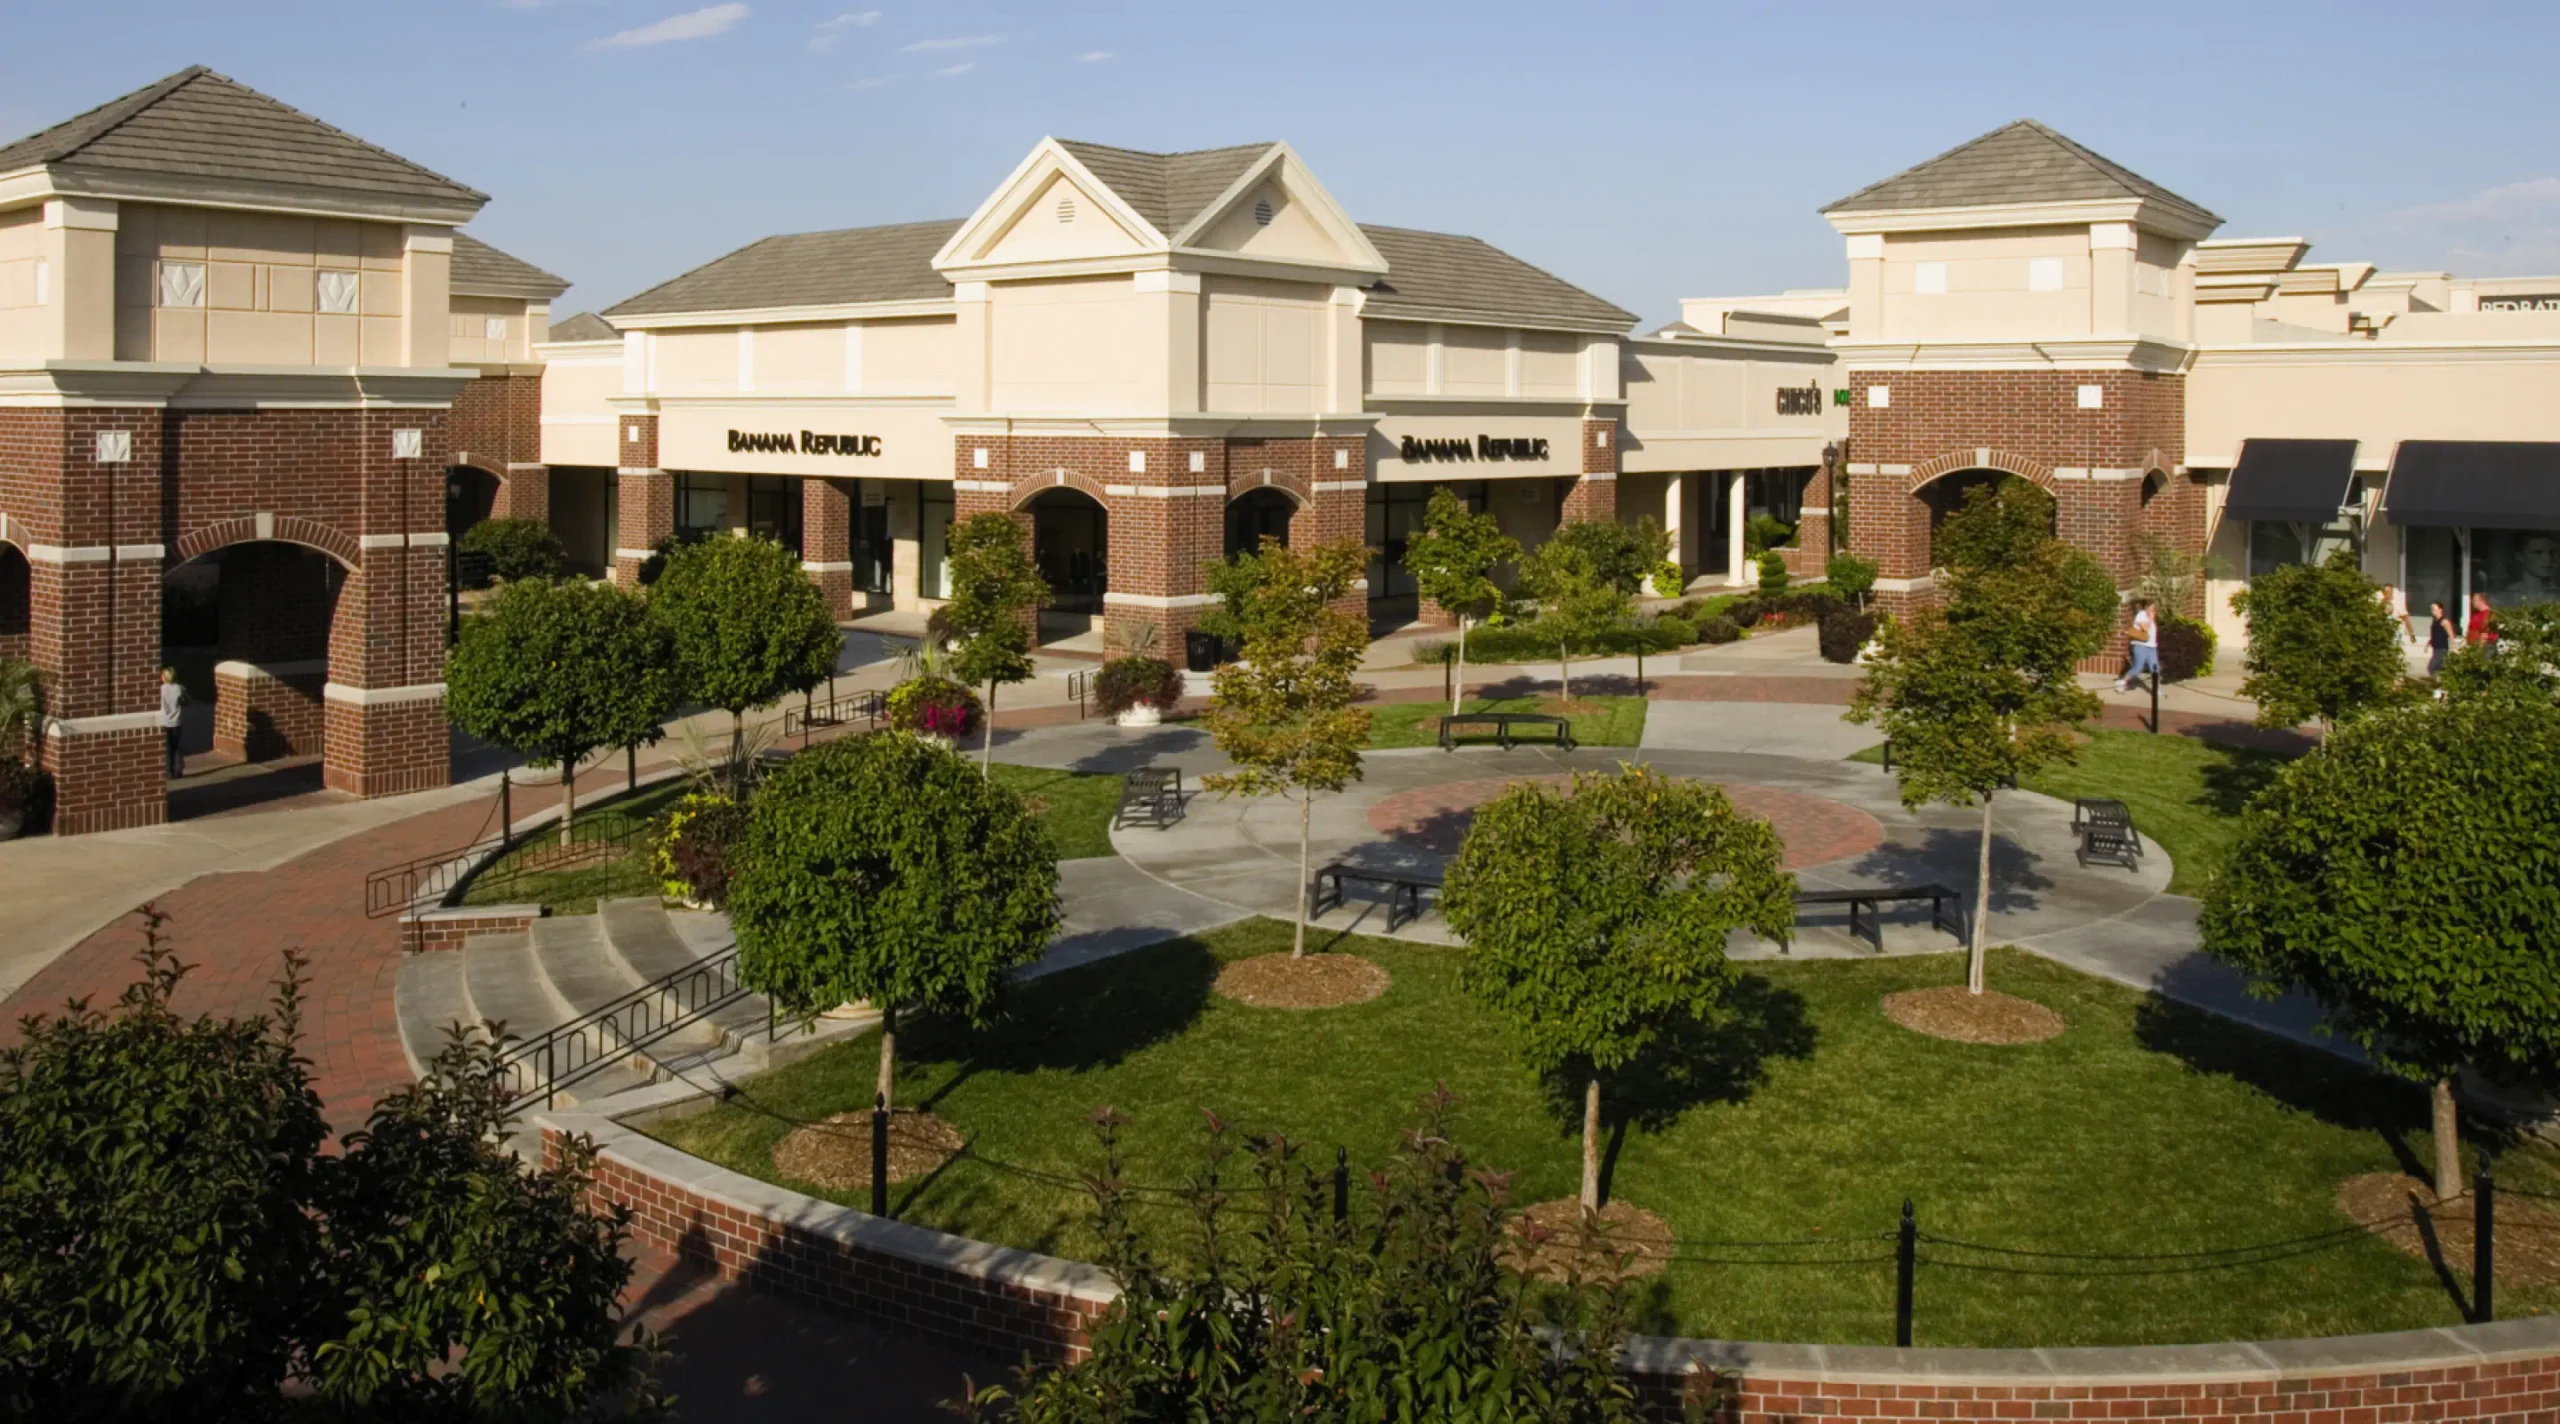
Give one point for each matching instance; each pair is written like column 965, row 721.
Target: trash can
column 1200, row 651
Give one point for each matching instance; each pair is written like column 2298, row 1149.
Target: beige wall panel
column 241, row 338
column 806, row 357
column 337, row 244
column 1292, row 234
column 177, row 335
column 1563, row 434
column 1398, row 356
column 182, row 233
column 1039, row 234
column 336, row 340
column 24, row 333
column 914, row 443
column 2371, row 398
column 1065, row 345
column 1724, row 450
column 258, row 237
column 378, row 340
column 289, row 289
column 17, row 282
column 1985, row 244
column 133, row 333
column 910, row 357
column 691, row 360
column 231, row 286
column 1472, row 361
column 137, row 228
column 1550, row 363
column 1260, row 346
column 1713, row 395
column 379, row 246
column 578, row 426
column 22, row 234
column 378, row 293
column 1652, row 381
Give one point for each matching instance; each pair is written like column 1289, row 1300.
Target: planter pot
column 1144, row 714
column 857, row 1009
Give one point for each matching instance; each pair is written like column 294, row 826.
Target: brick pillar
column 524, row 493
column 16, row 583
column 382, row 713
column 826, row 541
column 1337, row 507
column 1167, row 524
column 646, row 499
column 1813, row 527
column 1594, row 496
column 1892, row 529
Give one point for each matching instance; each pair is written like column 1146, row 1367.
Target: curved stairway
column 564, row 968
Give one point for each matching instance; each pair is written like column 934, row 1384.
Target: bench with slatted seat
column 1404, row 892
column 1502, row 723
column 2106, row 832
column 1869, row 900
column 1151, row 795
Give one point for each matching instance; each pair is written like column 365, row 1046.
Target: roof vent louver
column 1262, row 212
column 1066, row 210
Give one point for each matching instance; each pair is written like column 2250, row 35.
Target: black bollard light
column 879, row 1156
column 1906, row 1261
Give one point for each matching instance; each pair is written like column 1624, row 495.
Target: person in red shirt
column 2482, row 630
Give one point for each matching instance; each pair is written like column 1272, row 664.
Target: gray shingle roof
column 1167, row 189
column 480, row 270
column 1438, row 274
column 199, row 124
column 849, row 265
column 585, row 326
column 2023, row 162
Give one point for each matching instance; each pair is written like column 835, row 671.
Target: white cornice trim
column 381, row 696
column 735, row 400
column 774, row 316
column 1499, row 405
column 2141, row 212
column 2361, row 352
column 2077, row 354
column 1207, row 426
column 1010, row 196
column 1117, row 599
column 1707, row 344
column 1424, row 316
column 580, row 353
column 124, row 185
column 155, row 385
column 1302, row 185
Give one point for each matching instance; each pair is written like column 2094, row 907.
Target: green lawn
column 2185, row 793
column 1619, row 722
column 1076, row 806
column 2143, row 1128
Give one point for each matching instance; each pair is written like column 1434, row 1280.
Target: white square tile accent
column 631, row 435
column 182, row 284
column 1199, row 461
column 337, row 293
column 1342, row 459
column 2092, row 397
column 977, row 461
column 2044, row 274
column 1604, row 439
column 1879, row 397
column 408, row 444
column 1929, row 279
column 1137, row 462
column 115, row 447
column 494, row 329
column 44, row 283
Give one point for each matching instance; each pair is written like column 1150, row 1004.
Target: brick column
column 826, row 541
column 524, row 493
column 646, row 500
column 1337, row 508
column 382, row 714
column 1594, row 496
column 1812, row 551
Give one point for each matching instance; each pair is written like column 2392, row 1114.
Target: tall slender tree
column 995, row 593
column 1284, row 713
column 748, row 627
column 1452, row 560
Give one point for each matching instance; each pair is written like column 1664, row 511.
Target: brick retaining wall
column 997, row 1300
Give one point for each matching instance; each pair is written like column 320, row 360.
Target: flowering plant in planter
column 697, row 852
column 933, row 707
column 1132, row 682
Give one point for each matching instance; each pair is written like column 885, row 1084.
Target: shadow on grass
column 1141, row 749
column 1949, row 856
column 2233, row 782
column 1092, row 1016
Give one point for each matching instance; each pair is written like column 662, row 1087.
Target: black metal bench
column 1870, row 900
column 1404, row 892
column 1502, row 723
column 2106, row 832
column 1152, row 795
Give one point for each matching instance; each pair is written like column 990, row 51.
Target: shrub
column 2186, row 649
column 1435, row 650
column 1763, row 532
column 933, row 707
column 697, row 853
column 1131, row 682
column 1531, row 644
column 1850, row 577
column 1680, row 631
column 515, row 548
column 1773, row 574
column 1716, row 628
column 1844, row 632
column 1667, row 581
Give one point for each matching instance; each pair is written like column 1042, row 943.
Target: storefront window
column 873, row 554
column 933, row 536
column 2272, row 545
column 2431, row 571
column 2515, row 566
column 1395, row 513
column 702, row 503
column 1779, row 494
column 773, row 509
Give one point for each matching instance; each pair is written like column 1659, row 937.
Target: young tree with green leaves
column 1984, row 691
column 1595, row 921
column 2524, row 662
column 2321, row 643
column 878, row 868
column 1584, row 582
column 1452, row 559
column 1283, row 713
column 748, row 626
column 556, row 671
column 2405, row 875
column 995, row 593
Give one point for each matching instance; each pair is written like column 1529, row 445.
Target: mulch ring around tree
column 2403, row 1211
column 1318, row 981
column 1547, row 1239
column 1962, row 1017
column 836, row 1153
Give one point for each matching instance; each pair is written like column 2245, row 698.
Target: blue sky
column 1646, row 152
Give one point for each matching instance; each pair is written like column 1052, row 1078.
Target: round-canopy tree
column 1595, row 921
column 2321, row 643
column 995, row 593
column 1452, row 559
column 878, row 868
column 748, row 625
column 555, row 671
column 2405, row 875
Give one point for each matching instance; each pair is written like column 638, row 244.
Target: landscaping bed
column 2144, row 1127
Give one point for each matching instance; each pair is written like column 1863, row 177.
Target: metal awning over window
column 2292, row 481
column 2478, row 484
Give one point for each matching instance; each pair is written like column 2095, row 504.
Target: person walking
column 2439, row 637
column 173, row 701
column 2142, row 645
column 2482, row 630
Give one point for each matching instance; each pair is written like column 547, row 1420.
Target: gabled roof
column 585, row 326
column 480, row 270
column 2019, row 163
column 199, row 124
column 1436, row 274
column 841, row 268
column 1167, row 189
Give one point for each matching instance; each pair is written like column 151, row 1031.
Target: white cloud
column 1092, row 55
column 954, row 72
column 2504, row 203
column 2512, row 229
column 692, row 25
column 850, row 21
column 954, row 42
column 876, row 81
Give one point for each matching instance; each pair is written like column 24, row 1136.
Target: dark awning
column 2482, row 484
column 2292, row 481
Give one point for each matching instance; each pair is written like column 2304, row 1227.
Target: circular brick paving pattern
column 1814, row 830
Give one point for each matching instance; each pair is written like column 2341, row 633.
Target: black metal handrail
column 543, row 852
column 538, row 1068
column 836, row 711
column 1080, row 687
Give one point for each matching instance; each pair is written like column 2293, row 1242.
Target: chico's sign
column 807, row 442
column 1483, row 447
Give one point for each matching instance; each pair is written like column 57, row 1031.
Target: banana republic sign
column 807, row 442
column 1483, row 447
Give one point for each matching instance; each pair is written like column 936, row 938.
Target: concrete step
column 638, row 932
column 507, row 985
column 429, row 999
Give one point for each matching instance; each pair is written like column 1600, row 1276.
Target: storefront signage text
column 2547, row 301
column 1483, row 447
column 1800, row 400
column 807, row 442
